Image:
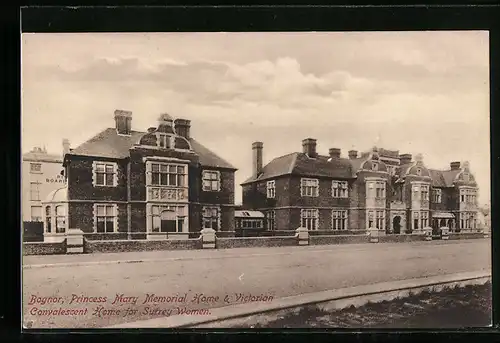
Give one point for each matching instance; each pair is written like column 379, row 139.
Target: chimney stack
column 182, row 127
column 123, row 122
column 309, row 147
column 353, row 154
column 405, row 158
column 455, row 165
column 334, row 152
column 66, row 145
column 257, row 148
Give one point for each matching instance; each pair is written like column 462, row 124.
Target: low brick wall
column 337, row 232
column 140, row 245
column 401, row 238
column 41, row 248
column 466, row 235
column 225, row 234
column 250, row 242
column 105, row 236
column 338, row 239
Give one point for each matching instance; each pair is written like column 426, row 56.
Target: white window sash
column 207, row 176
column 114, row 216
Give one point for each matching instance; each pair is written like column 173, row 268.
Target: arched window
column 60, row 219
column 48, row 219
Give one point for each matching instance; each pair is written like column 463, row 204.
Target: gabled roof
column 300, row 164
column 109, row 144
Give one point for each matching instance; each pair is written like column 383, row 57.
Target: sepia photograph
column 256, row 180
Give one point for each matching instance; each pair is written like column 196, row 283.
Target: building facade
column 41, row 173
column 380, row 188
column 157, row 184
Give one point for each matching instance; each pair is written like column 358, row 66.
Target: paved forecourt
column 191, row 282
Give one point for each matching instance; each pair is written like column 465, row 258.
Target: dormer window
column 164, row 141
column 374, row 165
column 419, row 171
column 466, row 177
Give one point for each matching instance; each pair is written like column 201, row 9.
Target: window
column 309, row 187
column 36, row 213
column 419, row 171
column 166, row 181
column 167, row 175
column 339, row 220
column 466, row 177
column 425, row 192
column 468, row 220
column 468, row 196
column 436, row 196
column 251, row 223
column 35, row 168
column 415, row 220
column 211, row 218
column 211, row 180
column 35, row 191
column 374, row 165
column 376, row 189
column 60, row 219
column 339, row 189
column 271, row 189
column 168, row 218
column 309, row 219
column 391, row 170
column 164, row 141
column 271, row 220
column 424, row 216
column 105, row 218
column 370, row 219
column 105, row 174
column 48, row 219
column 380, row 220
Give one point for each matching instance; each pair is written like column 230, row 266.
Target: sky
column 416, row 92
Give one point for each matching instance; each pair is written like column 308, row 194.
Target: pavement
column 197, row 281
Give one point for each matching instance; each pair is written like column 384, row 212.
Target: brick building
column 380, row 188
column 131, row 184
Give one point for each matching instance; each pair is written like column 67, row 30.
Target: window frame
column 271, row 189
column 114, row 216
column 211, row 218
column 39, row 171
column 437, row 195
column 106, row 173
column 339, row 219
column 309, row 216
column 33, row 217
column 217, row 180
column 271, row 220
column 340, row 189
column 304, row 187
column 181, row 213
column 35, row 191
column 62, row 216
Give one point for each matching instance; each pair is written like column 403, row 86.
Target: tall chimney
column 405, row 158
column 353, row 154
column 455, row 165
column 123, row 122
column 257, row 148
column 66, row 145
column 309, row 147
column 182, row 127
column 334, row 152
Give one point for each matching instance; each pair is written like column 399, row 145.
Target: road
column 207, row 278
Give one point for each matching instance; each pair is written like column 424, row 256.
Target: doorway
column 396, row 225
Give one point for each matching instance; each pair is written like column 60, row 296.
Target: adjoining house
column 127, row 184
column 379, row 189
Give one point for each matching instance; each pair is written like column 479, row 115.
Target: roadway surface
column 221, row 275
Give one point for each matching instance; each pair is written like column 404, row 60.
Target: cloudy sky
column 419, row 92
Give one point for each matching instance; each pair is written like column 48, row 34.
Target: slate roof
column 109, row 144
column 300, row 164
